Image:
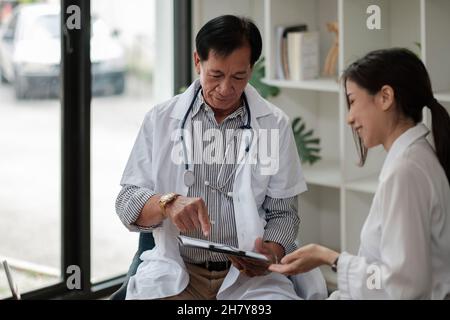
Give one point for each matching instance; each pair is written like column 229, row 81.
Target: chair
column 146, row 242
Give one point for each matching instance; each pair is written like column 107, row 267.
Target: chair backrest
column 146, row 242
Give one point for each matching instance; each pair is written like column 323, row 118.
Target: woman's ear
column 386, row 97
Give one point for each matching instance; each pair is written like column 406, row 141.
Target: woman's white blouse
column 405, row 241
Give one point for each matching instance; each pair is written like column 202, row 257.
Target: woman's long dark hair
column 406, row 74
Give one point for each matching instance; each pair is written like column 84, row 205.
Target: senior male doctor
column 179, row 179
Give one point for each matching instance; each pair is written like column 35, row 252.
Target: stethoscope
column 189, row 176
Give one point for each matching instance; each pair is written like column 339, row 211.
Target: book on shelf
column 281, row 49
column 303, row 55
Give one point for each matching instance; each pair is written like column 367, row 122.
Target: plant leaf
column 256, row 81
column 308, row 147
column 307, row 134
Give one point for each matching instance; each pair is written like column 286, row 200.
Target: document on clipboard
column 222, row 248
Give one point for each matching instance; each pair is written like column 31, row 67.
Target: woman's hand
column 305, row 259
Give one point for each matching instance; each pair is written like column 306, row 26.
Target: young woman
column 405, row 241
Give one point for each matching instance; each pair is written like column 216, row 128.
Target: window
column 30, row 156
column 125, row 73
column 132, row 70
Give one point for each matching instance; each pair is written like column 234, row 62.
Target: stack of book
column 296, row 53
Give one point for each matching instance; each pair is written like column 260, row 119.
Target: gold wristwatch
column 165, row 200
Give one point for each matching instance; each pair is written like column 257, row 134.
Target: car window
column 11, row 28
column 48, row 27
column 43, row 27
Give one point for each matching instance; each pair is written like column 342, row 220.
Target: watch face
column 167, row 197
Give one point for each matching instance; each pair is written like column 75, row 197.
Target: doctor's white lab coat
column 162, row 272
column 405, row 241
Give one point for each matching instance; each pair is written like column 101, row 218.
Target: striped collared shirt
column 212, row 172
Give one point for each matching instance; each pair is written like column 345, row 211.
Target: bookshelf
column 443, row 96
column 324, row 173
column 323, row 84
column 339, row 192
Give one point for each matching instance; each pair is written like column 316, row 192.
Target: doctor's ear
column 197, row 62
column 387, row 97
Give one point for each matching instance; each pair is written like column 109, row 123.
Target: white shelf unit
column 442, row 96
column 435, row 23
column 322, row 226
column 367, row 185
column 339, row 192
column 323, row 84
column 324, row 173
column 320, row 110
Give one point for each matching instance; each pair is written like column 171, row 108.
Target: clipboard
column 221, row 248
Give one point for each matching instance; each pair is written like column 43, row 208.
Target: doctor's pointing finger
column 186, row 213
column 189, row 214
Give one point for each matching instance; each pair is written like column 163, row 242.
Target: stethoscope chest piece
column 189, row 178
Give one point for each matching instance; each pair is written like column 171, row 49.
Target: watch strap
column 335, row 264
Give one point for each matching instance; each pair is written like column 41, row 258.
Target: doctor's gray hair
column 402, row 70
column 227, row 33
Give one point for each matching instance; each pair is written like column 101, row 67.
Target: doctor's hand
column 305, row 259
column 252, row 267
column 188, row 214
